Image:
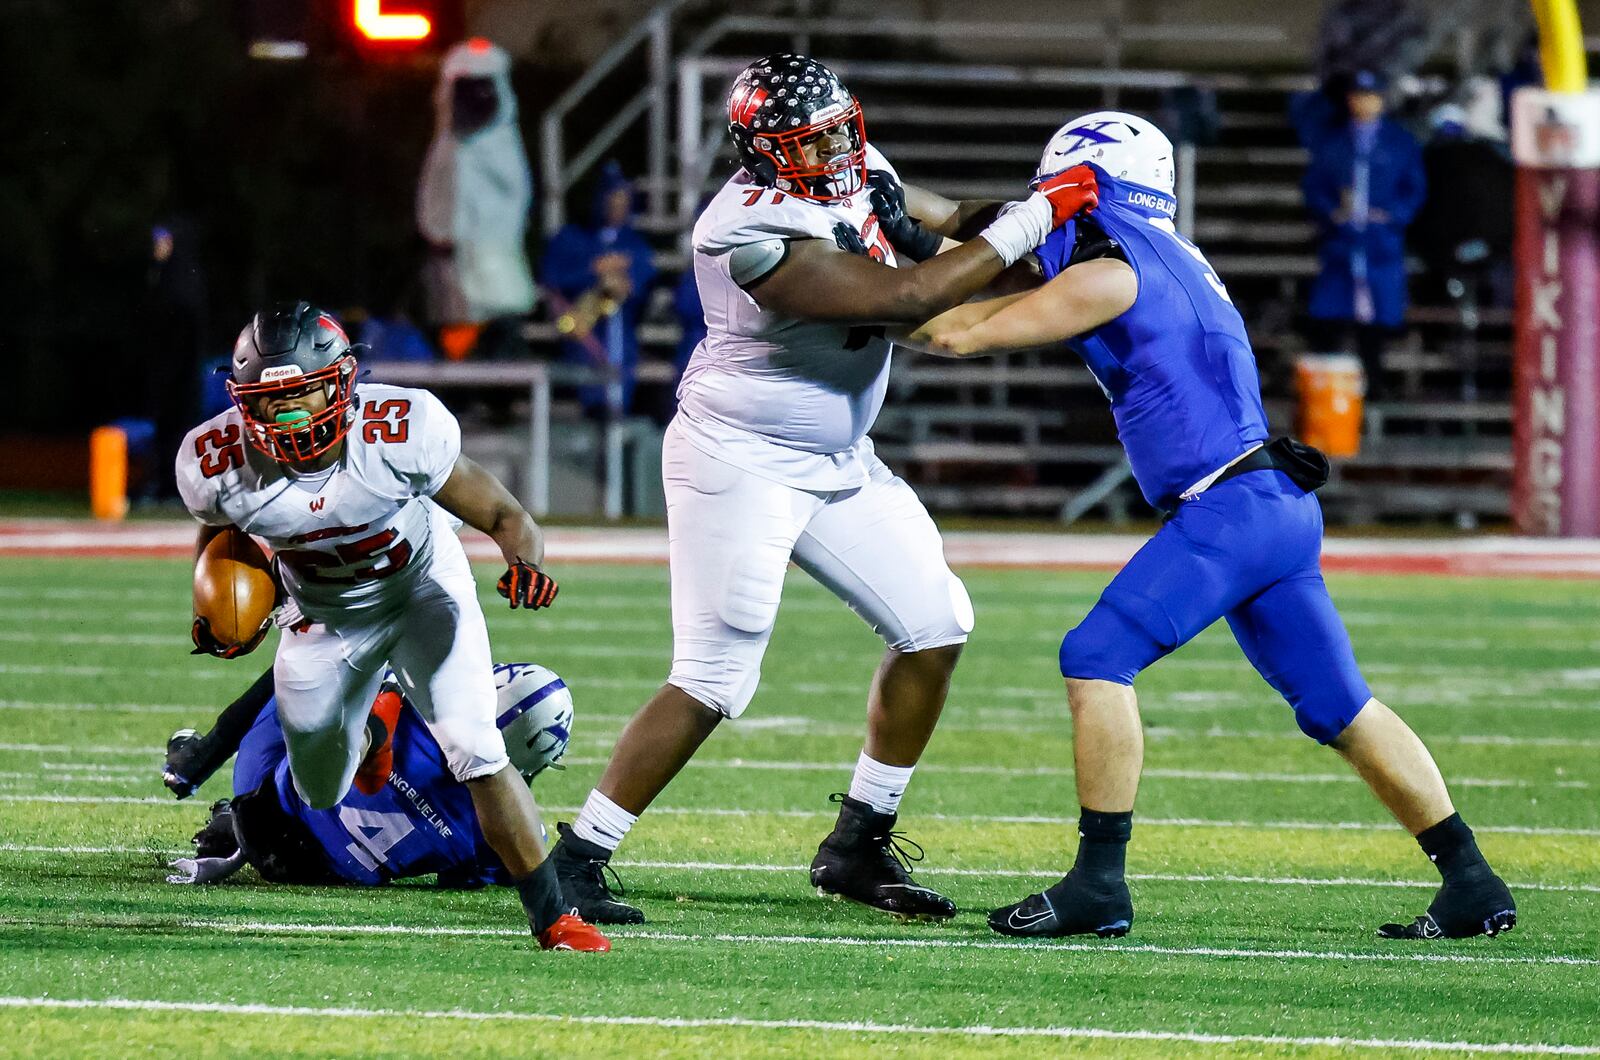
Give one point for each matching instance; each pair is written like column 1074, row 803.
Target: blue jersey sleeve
column 260, row 752
column 1056, row 250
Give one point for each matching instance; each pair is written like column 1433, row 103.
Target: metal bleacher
column 1030, row 433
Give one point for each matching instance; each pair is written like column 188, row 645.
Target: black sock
column 1102, row 845
column 541, row 897
column 1453, row 851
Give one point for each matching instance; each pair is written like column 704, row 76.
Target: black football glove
column 181, row 749
column 206, row 644
column 527, row 586
column 906, row 234
column 849, row 240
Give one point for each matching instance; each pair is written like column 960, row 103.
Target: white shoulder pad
column 875, row 160
column 748, row 262
column 745, row 212
column 419, row 438
column 209, row 448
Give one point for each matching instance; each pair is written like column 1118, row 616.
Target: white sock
column 878, row 785
column 602, row 822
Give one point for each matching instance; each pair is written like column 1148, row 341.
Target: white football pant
column 731, row 536
column 438, row 644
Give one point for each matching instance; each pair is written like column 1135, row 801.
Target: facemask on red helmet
column 786, row 107
column 284, row 360
column 295, row 436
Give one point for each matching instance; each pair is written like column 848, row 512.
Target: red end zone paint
column 1491, row 557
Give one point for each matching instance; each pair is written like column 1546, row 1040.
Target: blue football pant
column 1247, row 550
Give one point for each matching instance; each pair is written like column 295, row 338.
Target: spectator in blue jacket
column 601, row 272
column 1363, row 185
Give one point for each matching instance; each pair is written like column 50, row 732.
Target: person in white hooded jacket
column 476, row 191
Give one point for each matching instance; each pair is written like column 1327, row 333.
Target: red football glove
column 527, row 586
column 1070, row 191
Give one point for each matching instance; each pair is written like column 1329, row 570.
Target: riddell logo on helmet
column 746, row 100
column 828, row 114
column 282, row 371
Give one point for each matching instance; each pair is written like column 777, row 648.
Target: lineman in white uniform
column 768, row 461
column 339, row 484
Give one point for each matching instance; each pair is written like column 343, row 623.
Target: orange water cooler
column 1332, row 393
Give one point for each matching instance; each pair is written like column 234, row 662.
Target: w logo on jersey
column 318, row 504
column 744, row 103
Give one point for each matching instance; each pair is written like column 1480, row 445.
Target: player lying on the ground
column 420, row 822
column 768, row 461
column 1243, row 539
column 338, row 479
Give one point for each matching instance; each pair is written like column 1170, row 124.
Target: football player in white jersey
column 355, row 489
column 768, row 461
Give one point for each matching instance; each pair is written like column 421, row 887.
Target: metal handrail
column 654, row 101
column 559, row 175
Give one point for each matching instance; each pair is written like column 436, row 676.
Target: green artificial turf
column 1261, row 867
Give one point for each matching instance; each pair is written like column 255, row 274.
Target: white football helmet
column 1125, row 145
column 535, row 716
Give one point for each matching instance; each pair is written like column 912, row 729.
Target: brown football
column 233, row 587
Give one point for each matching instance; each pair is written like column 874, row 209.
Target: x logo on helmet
column 1090, row 134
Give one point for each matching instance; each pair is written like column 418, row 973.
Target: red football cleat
column 379, row 763
column 572, row 932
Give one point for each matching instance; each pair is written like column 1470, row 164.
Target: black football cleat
column 217, row 839
column 581, row 867
column 1068, row 908
column 865, row 860
column 1462, row 910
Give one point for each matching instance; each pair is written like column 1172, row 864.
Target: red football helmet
column 285, row 352
column 779, row 104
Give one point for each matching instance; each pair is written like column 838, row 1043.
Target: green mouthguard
column 293, row 417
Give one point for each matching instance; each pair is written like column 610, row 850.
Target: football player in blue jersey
column 1242, row 539
column 420, row 822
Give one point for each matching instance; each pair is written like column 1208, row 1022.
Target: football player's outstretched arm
column 959, row 220
column 481, row 501
column 1077, row 300
column 818, row 280
column 951, row 321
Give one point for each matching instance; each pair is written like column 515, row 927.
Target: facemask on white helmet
column 535, row 716
column 1125, row 146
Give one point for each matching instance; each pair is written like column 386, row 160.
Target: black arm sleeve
column 198, row 761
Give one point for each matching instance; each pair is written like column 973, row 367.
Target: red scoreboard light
column 402, row 26
column 399, row 29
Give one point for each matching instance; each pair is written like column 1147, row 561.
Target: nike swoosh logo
column 1019, row 921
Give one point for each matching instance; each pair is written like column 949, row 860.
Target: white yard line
column 33, row 848
column 832, row 1026
column 121, row 673
column 959, row 818
column 200, row 713
column 806, row 726
column 100, row 771
column 1027, row 874
column 1399, row 954
column 1212, row 775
